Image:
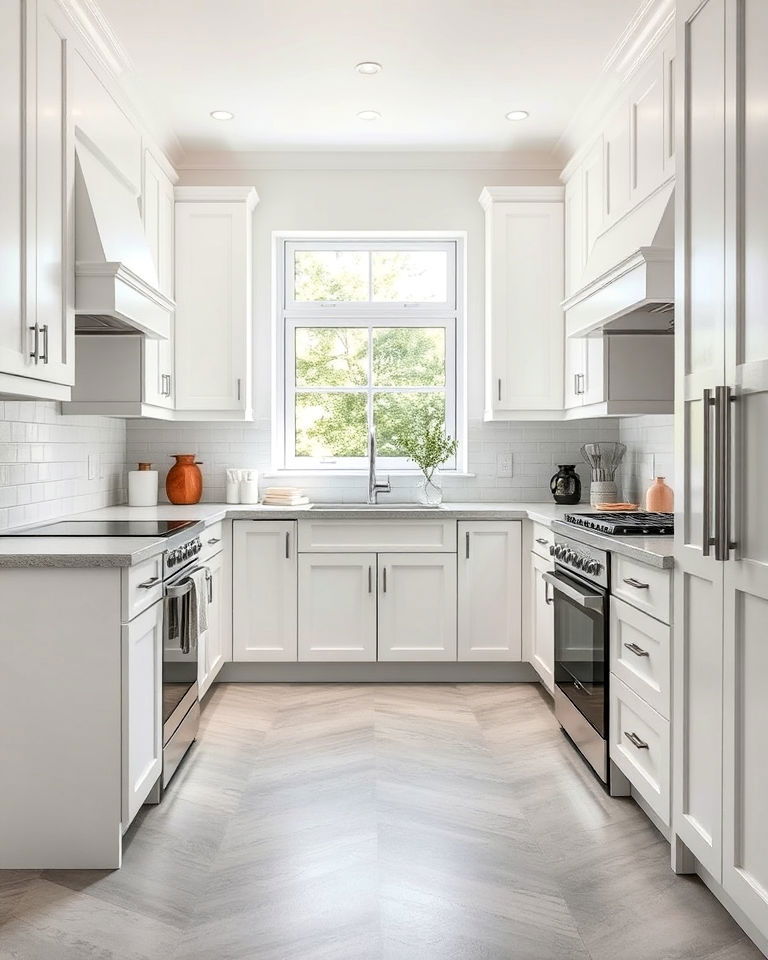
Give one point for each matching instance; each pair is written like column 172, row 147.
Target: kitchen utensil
column 604, row 458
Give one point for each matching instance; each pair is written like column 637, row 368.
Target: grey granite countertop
column 127, row 551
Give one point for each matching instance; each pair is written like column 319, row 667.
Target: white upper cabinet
column 36, row 182
column 489, row 581
column 630, row 156
column 524, row 290
column 213, row 302
column 158, row 216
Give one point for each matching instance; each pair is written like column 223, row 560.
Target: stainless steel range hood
column 629, row 276
column 115, row 276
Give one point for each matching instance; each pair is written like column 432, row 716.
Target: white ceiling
column 285, row 68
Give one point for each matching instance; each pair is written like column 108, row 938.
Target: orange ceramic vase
column 659, row 498
column 184, row 483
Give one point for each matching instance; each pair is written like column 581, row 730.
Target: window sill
column 283, row 472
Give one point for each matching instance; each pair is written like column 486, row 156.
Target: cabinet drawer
column 142, row 586
column 542, row 540
column 640, row 654
column 377, row 536
column 639, row 746
column 212, row 539
column 644, row 587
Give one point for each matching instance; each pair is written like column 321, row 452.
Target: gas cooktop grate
column 624, row 524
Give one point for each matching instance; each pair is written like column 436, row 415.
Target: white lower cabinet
column 542, row 622
column 142, row 642
column 489, row 584
column 417, row 606
column 211, row 643
column 264, row 590
column 337, row 606
column 639, row 746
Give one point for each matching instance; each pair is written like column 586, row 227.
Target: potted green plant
column 428, row 445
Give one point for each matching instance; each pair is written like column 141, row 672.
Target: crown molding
column 236, row 194
column 491, row 195
column 95, row 30
column 367, row 160
column 99, row 42
column 650, row 22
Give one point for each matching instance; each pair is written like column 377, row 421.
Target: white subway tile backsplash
column 650, row 452
column 44, row 462
column 537, row 448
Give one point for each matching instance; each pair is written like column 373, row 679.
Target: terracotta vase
column 659, row 497
column 184, row 483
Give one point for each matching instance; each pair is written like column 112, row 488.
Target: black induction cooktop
column 106, row 528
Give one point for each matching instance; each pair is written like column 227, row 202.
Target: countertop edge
column 218, row 512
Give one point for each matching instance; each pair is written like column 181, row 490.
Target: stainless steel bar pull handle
column 637, row 584
column 44, row 331
column 723, row 401
column 549, row 597
column 576, row 384
column 384, row 579
column 214, row 540
column 35, row 354
column 499, row 393
column 707, row 540
column 148, row 584
column 370, row 579
column 638, row 651
column 209, row 581
column 466, row 552
column 636, row 741
column 542, row 541
column 287, row 546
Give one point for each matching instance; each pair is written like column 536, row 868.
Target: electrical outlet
column 94, row 466
column 504, row 465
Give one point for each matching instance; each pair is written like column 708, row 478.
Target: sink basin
column 372, row 506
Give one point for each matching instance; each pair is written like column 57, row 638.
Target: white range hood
column 115, row 276
column 629, row 276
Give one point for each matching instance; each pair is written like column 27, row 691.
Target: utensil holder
column 603, row 491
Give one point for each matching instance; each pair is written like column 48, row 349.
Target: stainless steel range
column 581, row 585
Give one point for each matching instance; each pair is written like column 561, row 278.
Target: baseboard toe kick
column 412, row 672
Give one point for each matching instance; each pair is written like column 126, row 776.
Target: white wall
column 44, row 462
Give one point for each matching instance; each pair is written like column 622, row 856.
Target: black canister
column 566, row 484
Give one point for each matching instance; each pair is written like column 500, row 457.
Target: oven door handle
column 590, row 601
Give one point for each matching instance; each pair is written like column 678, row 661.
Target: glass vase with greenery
column 428, row 445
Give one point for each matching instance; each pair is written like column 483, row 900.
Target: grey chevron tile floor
column 376, row 822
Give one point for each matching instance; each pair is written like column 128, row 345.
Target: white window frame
column 290, row 315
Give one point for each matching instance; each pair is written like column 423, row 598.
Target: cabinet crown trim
column 491, row 195
column 245, row 195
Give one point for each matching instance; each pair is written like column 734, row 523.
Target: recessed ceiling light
column 517, row 115
column 222, row 115
column 368, row 67
column 369, row 115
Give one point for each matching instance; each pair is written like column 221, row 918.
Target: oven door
column 581, row 646
column 180, row 654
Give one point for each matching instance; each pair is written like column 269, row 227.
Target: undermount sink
column 373, row 506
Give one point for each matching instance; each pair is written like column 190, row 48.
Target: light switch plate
column 504, row 465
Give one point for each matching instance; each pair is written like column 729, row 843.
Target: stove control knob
column 592, row 567
column 553, row 551
column 578, row 561
column 170, row 559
